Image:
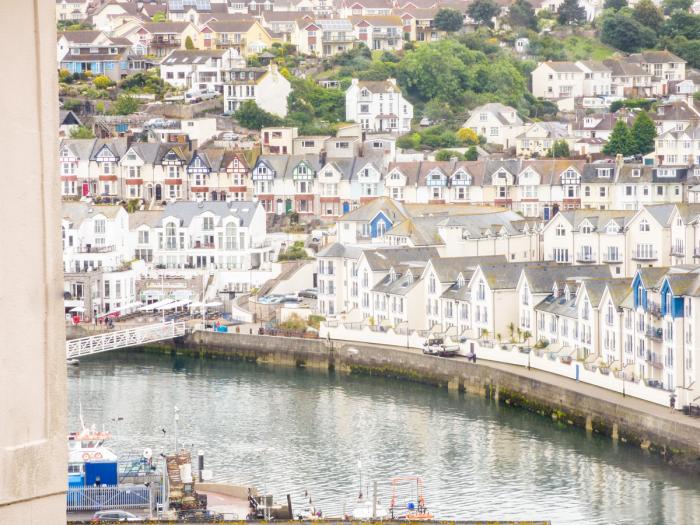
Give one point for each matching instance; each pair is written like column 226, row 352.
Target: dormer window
column 555, row 291
column 636, row 172
column 409, row 278
column 586, row 228
column 567, row 294
column 392, row 275
column 460, row 281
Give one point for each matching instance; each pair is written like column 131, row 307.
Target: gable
column 105, row 155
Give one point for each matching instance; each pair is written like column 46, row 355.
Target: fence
column 121, row 497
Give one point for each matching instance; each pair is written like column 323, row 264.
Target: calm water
column 287, row 430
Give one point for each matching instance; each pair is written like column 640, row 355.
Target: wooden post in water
column 374, row 501
column 289, row 507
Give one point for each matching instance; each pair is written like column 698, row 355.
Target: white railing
column 123, row 338
column 101, row 498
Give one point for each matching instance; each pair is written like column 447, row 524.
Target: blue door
column 346, row 207
column 546, row 213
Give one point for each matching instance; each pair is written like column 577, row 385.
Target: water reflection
column 290, row 430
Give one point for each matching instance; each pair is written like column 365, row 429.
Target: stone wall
column 676, row 441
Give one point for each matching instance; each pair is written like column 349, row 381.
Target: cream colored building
column 33, row 460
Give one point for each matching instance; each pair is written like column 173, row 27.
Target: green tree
column 81, row 132
column 560, row 150
column 449, row 20
column 621, row 141
column 672, row 5
column 483, row 12
column 188, row 43
column 571, row 13
column 447, row 154
column 648, row 14
column 250, row 116
column 626, row 34
column 689, row 50
column 408, row 141
column 615, row 5
column 471, row 154
column 522, row 14
column 101, row 82
column 159, row 17
column 682, row 23
column 547, row 48
column 437, row 110
column 643, row 133
column 125, row 105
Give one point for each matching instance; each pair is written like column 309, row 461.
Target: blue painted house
column 95, row 53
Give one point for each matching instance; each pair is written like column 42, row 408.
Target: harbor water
column 299, row 431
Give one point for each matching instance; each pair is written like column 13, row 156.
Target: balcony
column 656, row 334
column 225, row 43
column 201, row 245
column 677, row 251
column 339, row 38
column 696, row 252
column 653, row 359
column 612, row 257
column 585, row 257
column 645, row 255
column 654, row 309
column 89, row 248
column 166, row 42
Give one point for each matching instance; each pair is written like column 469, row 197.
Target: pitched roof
column 389, row 207
column 187, row 210
column 384, row 258
column 165, row 27
column 563, row 67
column 77, row 212
column 541, row 278
column 449, row 268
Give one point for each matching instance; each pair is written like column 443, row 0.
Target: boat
column 87, row 445
column 409, row 506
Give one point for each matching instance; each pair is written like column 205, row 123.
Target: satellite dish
column 147, row 453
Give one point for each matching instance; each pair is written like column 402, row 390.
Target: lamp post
column 177, row 419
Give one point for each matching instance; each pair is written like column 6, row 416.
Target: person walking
column 672, row 402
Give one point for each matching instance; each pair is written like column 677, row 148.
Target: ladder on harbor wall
column 136, row 336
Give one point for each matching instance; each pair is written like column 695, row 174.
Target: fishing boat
column 407, row 499
column 87, row 445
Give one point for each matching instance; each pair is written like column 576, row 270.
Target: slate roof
column 187, row 210
column 599, row 219
column 392, row 209
column 402, row 284
column 384, row 258
column 150, row 218
column 541, row 278
column 77, row 212
column 449, row 268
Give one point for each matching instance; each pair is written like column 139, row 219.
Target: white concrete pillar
column 33, row 449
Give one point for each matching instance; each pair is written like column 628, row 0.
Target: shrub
column 102, row 82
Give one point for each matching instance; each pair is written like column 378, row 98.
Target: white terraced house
column 378, row 106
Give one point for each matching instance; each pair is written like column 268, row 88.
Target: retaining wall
column 673, row 438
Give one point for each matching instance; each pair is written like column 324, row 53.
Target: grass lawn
column 582, row 48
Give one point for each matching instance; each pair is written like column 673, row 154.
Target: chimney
column 322, row 157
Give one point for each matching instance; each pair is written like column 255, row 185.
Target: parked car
column 200, row 515
column 437, row 346
column 114, row 516
column 309, row 293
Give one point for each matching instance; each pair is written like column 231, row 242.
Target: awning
column 173, row 306
column 566, row 351
column 78, row 309
column 156, row 305
column 214, row 304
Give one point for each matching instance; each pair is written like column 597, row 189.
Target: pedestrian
column 672, row 402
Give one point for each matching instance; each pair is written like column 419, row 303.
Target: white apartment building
column 597, row 78
column 203, row 70
column 557, row 80
column 378, row 106
column 212, row 235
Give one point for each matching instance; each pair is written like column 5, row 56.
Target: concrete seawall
column 671, row 435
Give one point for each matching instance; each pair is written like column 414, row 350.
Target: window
column 143, row 236
column 481, row 291
column 644, row 226
column 560, row 231
column 170, row 236
column 99, row 226
column 208, row 223
column 231, row 237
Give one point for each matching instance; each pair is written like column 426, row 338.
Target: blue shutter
column 677, row 307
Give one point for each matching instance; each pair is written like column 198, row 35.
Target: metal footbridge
column 140, row 335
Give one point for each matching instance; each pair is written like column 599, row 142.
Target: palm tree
column 527, row 335
column 484, row 333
